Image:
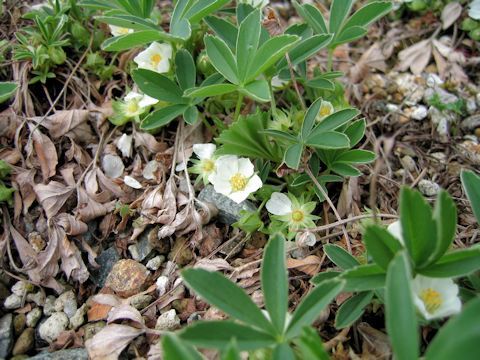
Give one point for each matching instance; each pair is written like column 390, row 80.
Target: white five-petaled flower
column 135, row 103
column 395, row 229
column 435, row 297
column 291, row 210
column 118, row 30
column 234, row 177
column 256, row 3
column 474, row 11
column 156, row 57
column 326, row 109
column 206, row 163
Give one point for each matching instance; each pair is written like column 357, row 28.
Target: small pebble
column 168, row 321
column 33, row 317
column 471, row 106
column 434, row 80
column 392, row 107
column 440, row 156
column 25, row 342
column 419, row 112
column 408, row 163
column 53, row 326
column 477, row 98
column 66, row 303
column 77, row 320
column 155, row 263
column 91, row 329
column 13, row 302
column 37, row 298
column 162, row 283
column 428, row 188
column 19, row 324
column 21, row 288
column 141, row 301
column 49, row 307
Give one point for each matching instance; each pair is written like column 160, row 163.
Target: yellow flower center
column 431, row 299
column 132, row 107
column 155, row 59
column 324, row 111
column 123, row 30
column 297, row 215
column 208, row 165
column 238, row 182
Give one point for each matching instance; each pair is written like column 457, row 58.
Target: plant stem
column 237, row 108
column 207, row 124
column 330, row 59
column 272, row 100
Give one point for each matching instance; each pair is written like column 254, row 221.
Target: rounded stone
column 428, row 188
column 53, row 326
column 19, row 323
column 128, row 277
column 141, row 301
column 67, row 303
column 12, row 302
column 77, row 320
column 90, row 329
column 155, row 263
column 33, row 317
column 168, row 321
column 25, row 342
column 49, row 307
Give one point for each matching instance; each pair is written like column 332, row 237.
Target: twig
column 294, row 81
column 341, row 337
column 345, row 221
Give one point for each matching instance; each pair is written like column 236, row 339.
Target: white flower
column 118, row 30
column 435, row 298
column 296, row 213
column 143, row 100
column 135, row 104
column 326, row 109
column 124, row 144
column 395, row 229
column 206, row 163
column 279, row 204
column 156, row 58
column 277, row 83
column 256, row 3
column 474, row 11
column 235, row 178
column 133, row 183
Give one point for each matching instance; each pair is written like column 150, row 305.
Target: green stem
column 261, row 206
column 272, row 100
column 207, row 124
column 330, row 59
column 237, row 108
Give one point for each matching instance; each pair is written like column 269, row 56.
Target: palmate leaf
column 246, row 138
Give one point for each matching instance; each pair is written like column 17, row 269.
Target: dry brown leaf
column 451, row 12
column 46, row 152
column 149, row 142
column 442, row 64
column 109, row 342
column 25, row 182
column 53, row 196
column 27, row 254
column 125, row 311
column 79, row 154
column 98, row 311
column 70, row 224
column 415, row 57
column 372, row 58
column 88, row 209
column 213, row 264
column 377, row 341
column 72, row 123
column 309, row 265
column 11, row 156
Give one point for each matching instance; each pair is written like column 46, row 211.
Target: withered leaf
column 53, row 196
column 451, row 12
column 415, row 57
column 309, row 265
column 79, row 154
column 68, row 122
column 149, row 142
column 70, row 224
column 372, row 58
column 125, row 311
column 24, row 179
column 27, row 254
column 89, row 209
column 109, row 342
column 46, row 152
column 212, row 264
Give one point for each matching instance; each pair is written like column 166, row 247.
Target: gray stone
column 441, row 120
column 13, row 302
column 407, row 86
column 141, row 301
column 428, row 188
column 228, row 210
column 444, row 95
column 155, row 263
column 25, row 342
column 168, row 321
column 6, row 335
column 77, row 320
column 393, row 107
column 69, row 354
column 33, row 317
column 106, row 260
column 37, row 298
column 90, row 329
column 408, row 163
column 49, row 307
column 66, row 303
column 470, row 123
column 53, row 326
column 439, row 156
column 420, row 112
column 21, row 288
column 471, row 106
column 141, row 249
column 433, row 80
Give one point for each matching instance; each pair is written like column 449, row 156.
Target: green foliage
column 471, row 184
column 7, row 89
column 5, row 191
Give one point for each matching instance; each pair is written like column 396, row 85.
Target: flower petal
column 245, row 167
column 133, row 183
column 133, row 95
column 147, row 101
column 395, row 229
column 279, row 204
column 204, row 151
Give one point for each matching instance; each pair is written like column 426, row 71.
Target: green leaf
column 257, row 90
column 381, row 245
column 231, row 352
column 355, row 131
column 191, row 115
column 335, row 120
column 345, row 169
column 224, row 29
column 348, row 35
column 418, row 227
column 280, row 135
column 211, row 90
column 179, row 26
column 202, row 8
column 309, row 119
column 312, row 16
column 364, row 277
column 324, row 276
column 6, row 193
column 96, row 4
column 304, row 49
column 222, row 58
column 175, row 349
column 283, row 352
column 356, row 156
column 158, row 86
column 471, row 184
column 400, row 314
column 312, row 305
column 320, row 83
column 338, row 14
column 268, row 54
column 218, row 334
column 130, row 22
column 247, row 43
column 340, row 257
column 309, row 344
column 368, row 14
column 459, row 337
column 445, row 216
column 226, row 296
column 275, row 281
column 128, row 41
column 352, row 309
column 185, row 69
column 328, row 140
column 454, row 264
column 293, row 155
column 7, row 89
column 162, row 117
